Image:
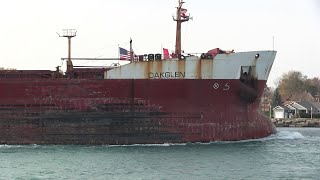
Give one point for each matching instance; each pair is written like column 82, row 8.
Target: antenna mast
column 181, row 17
column 69, row 33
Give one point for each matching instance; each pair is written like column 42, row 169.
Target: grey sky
column 29, row 39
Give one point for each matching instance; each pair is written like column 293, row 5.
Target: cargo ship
column 213, row 96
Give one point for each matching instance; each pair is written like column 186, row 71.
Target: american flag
column 124, row 54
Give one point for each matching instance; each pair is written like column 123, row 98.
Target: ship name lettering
column 163, row 75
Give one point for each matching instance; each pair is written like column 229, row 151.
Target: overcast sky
column 29, row 39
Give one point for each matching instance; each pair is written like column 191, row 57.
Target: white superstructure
column 222, row 66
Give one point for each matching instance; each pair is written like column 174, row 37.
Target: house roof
column 307, row 105
column 277, row 107
column 290, row 107
column 316, row 105
column 297, row 106
column 285, row 108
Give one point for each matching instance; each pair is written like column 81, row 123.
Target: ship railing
column 19, row 74
column 114, row 63
column 91, row 59
column 145, row 57
column 158, row 56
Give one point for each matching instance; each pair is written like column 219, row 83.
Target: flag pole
column 118, row 54
column 272, row 43
column 131, row 51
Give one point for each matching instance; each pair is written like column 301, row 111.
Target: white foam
column 147, row 145
column 280, row 135
column 290, row 135
column 9, row 146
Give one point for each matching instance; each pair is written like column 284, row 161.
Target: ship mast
column 69, row 33
column 131, row 51
column 181, row 17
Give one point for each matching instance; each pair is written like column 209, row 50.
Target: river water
column 292, row 153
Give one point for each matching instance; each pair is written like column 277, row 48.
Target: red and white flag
column 166, row 53
column 183, row 12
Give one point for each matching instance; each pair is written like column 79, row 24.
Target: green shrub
column 308, row 115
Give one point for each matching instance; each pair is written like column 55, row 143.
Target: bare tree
column 296, row 86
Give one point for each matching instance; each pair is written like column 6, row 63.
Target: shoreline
column 297, row 122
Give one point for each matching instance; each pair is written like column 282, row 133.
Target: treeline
column 294, row 86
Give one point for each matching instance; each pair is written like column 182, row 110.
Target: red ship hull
column 129, row 111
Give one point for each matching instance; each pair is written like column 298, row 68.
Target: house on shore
column 282, row 112
column 295, row 109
